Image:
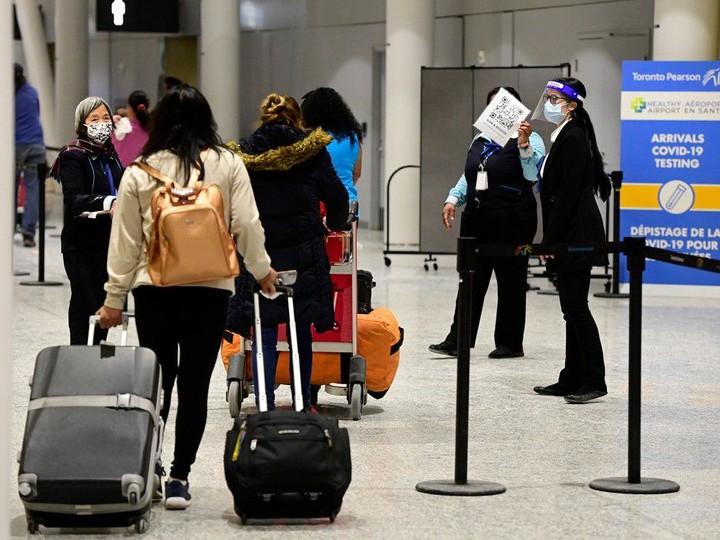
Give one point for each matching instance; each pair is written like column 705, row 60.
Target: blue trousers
column 27, row 158
column 269, row 349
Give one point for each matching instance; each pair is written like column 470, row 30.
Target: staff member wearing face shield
column 570, row 177
column 90, row 172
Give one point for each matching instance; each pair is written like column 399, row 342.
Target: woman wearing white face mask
column 90, row 172
column 570, row 177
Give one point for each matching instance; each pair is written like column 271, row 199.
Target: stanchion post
column 634, row 483
column 42, row 173
column 461, row 485
column 616, row 177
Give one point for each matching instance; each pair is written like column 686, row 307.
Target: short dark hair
column 325, row 108
column 514, row 93
column 171, row 82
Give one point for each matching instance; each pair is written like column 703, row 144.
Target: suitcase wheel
column 234, row 398
column 33, row 526
column 332, row 517
column 141, row 526
column 356, row 401
column 243, row 519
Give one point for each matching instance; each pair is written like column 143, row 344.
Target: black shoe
column 28, row 240
column 585, row 397
column 448, row 348
column 506, row 352
column 553, row 390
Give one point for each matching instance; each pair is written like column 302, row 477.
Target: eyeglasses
column 553, row 98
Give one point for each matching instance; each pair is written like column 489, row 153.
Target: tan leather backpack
column 190, row 241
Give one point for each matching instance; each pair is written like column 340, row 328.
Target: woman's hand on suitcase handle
column 267, row 284
column 109, row 317
column 448, row 215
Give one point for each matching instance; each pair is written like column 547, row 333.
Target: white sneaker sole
column 176, row 503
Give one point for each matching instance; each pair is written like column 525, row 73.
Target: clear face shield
column 550, row 104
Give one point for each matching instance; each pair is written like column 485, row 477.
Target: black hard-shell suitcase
column 286, row 464
column 92, row 437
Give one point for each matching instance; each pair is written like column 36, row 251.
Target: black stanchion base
column 41, row 283
column 449, row 487
column 611, row 295
column 645, row 486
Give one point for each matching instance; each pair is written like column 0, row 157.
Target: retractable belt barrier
column 637, row 252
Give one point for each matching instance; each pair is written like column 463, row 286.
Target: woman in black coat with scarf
column 570, row 177
column 291, row 174
column 90, row 172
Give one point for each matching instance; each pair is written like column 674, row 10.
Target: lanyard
column 489, row 149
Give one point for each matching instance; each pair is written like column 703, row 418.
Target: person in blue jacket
column 29, row 151
column 503, row 211
column 325, row 108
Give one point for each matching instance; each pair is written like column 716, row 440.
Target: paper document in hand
column 501, row 117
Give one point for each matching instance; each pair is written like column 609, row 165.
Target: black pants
column 499, row 226
column 584, row 369
column 87, row 272
column 193, row 319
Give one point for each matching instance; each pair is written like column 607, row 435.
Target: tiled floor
column 541, row 449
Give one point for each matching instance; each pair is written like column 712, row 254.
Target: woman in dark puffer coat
column 291, row 174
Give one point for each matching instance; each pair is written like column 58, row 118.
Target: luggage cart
column 341, row 248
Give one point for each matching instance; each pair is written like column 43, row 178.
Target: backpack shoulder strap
column 152, row 171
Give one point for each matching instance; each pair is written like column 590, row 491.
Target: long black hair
column 19, row 76
column 183, row 124
column 601, row 182
column 326, row 109
column 140, row 105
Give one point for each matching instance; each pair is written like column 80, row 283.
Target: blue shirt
column 28, row 129
column 344, row 154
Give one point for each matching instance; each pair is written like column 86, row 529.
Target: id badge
column 481, row 184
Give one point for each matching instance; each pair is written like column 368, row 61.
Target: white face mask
column 553, row 113
column 99, row 133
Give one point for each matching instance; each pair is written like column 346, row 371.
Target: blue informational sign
column 670, row 157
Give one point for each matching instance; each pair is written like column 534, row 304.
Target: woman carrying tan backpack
column 189, row 318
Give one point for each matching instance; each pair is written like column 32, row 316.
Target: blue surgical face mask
column 553, row 113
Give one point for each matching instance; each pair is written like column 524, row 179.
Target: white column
column 37, row 60
column 71, row 64
column 7, row 220
column 687, row 30
column 409, row 30
column 220, row 63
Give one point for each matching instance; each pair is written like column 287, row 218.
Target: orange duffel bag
column 379, row 341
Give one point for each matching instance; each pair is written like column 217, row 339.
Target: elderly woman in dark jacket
column 90, row 172
column 291, row 174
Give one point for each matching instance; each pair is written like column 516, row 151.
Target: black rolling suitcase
column 286, row 464
column 92, row 437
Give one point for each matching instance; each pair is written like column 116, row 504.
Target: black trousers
column 584, row 369
column 87, row 272
column 499, row 226
column 191, row 319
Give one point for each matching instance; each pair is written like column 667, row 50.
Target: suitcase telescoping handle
column 292, row 335
column 95, row 320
